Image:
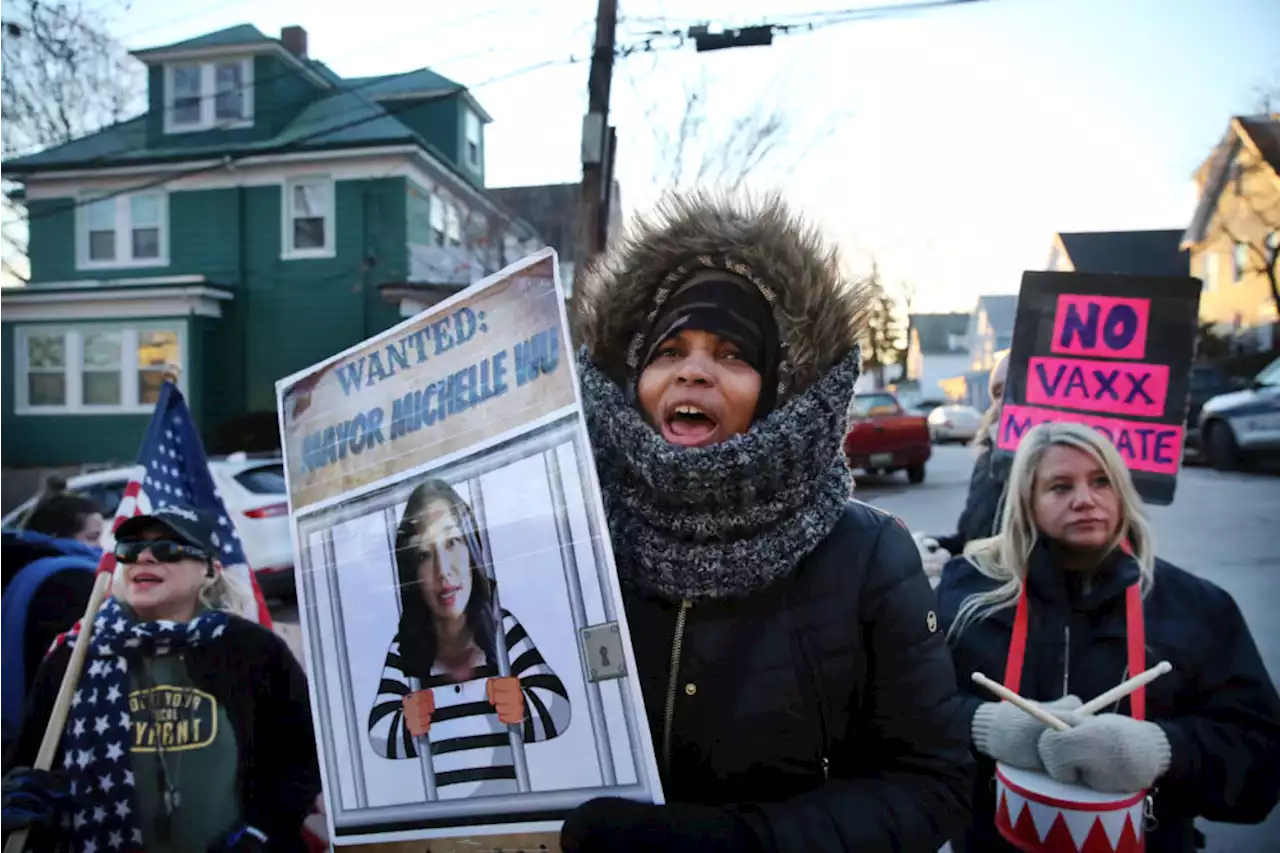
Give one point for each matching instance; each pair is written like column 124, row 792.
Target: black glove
column 34, row 798
column 615, row 825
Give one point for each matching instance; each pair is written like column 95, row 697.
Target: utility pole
column 597, row 144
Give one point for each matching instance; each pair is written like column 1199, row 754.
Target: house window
column 474, row 132
column 309, row 218
column 201, row 96
column 437, row 220
column 1239, row 261
column 452, row 226
column 419, row 216
column 93, row 369
column 123, row 230
column 1209, row 270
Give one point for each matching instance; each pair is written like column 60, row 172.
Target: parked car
column 1244, row 425
column 1206, row 382
column 954, row 423
column 884, row 438
column 254, row 493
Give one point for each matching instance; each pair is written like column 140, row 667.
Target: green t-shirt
column 187, row 728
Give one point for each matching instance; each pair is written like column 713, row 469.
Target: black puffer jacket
column 1218, row 706
column 823, row 699
column 981, row 504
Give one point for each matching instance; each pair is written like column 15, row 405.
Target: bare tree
column 697, row 150
column 1248, row 212
column 62, row 76
column 907, row 292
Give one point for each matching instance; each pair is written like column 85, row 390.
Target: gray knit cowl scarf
column 726, row 520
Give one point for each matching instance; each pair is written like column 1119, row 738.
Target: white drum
column 1037, row 813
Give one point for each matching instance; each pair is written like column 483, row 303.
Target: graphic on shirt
column 172, row 718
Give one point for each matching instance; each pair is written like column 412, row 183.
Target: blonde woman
column 190, row 729
column 1068, row 600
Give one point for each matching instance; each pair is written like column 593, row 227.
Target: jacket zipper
column 1066, row 666
column 673, row 677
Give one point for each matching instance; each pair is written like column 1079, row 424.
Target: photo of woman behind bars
column 443, row 681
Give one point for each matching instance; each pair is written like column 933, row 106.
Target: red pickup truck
column 883, row 438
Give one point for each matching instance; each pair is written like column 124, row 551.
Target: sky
column 948, row 145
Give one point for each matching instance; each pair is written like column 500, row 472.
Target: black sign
column 1110, row 351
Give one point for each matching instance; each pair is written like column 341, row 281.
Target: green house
column 263, row 214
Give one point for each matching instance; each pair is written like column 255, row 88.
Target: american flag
column 174, row 469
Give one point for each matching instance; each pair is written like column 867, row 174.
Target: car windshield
column 875, row 404
column 1270, row 374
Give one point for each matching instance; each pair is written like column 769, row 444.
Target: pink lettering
column 1090, row 325
column 1143, row 446
column 1098, row 386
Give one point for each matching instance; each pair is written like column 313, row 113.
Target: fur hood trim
column 819, row 311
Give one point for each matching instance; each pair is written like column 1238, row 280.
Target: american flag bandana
column 99, row 733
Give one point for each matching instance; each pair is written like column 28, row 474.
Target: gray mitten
column 1110, row 752
column 1011, row 735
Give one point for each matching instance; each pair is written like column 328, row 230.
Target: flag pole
column 75, row 666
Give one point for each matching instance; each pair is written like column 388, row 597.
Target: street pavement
column 1220, row 526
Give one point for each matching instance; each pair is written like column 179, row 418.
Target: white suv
column 254, row 493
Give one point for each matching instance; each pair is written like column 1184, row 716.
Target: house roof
column 937, row 330
column 552, row 210
column 238, row 34
column 422, row 80
column 1126, row 252
column 343, row 117
column 1000, row 311
column 1260, row 132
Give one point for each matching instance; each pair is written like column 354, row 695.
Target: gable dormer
column 233, row 85
column 444, row 113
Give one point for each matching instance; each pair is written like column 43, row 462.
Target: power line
column 228, row 160
column 337, row 91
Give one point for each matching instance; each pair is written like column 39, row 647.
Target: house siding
column 439, row 122
column 285, row 314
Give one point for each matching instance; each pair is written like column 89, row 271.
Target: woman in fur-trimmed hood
column 798, row 693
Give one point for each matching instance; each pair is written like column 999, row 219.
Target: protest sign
column 470, row 668
column 1110, row 351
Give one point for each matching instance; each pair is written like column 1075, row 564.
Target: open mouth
column 146, row 580
column 448, row 596
column 688, row 425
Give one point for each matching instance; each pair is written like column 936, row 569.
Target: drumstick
column 1115, row 694
column 1025, row 704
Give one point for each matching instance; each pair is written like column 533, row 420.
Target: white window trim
column 124, row 233
column 74, row 352
column 209, row 96
column 472, row 119
column 287, row 252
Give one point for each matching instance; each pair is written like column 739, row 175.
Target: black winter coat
column 255, row 676
column 1218, row 707
column 825, row 701
column 982, row 502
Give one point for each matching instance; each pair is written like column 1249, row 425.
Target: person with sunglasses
column 190, row 728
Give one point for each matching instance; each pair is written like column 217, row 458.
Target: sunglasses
column 164, row 551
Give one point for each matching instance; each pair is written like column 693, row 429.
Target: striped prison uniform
column 470, row 747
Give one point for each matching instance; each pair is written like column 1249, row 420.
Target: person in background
column 190, row 729
column 48, row 566
column 986, row 483
column 65, row 515
column 797, row 690
column 1073, row 561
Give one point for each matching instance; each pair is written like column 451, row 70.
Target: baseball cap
column 186, row 524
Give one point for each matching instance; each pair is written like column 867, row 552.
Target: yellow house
column 1234, row 237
